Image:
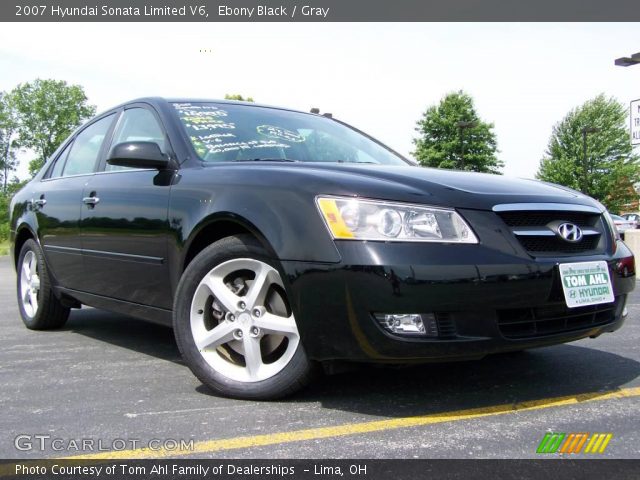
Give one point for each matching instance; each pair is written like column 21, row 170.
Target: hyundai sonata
column 276, row 241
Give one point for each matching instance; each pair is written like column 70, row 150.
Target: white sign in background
column 635, row 122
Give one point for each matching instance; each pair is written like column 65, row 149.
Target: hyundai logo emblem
column 570, row 232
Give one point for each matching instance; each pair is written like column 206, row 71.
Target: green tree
column 607, row 168
column 8, row 144
column 237, row 96
column 48, row 110
column 453, row 136
column 5, row 200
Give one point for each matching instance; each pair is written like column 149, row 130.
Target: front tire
column 234, row 326
column 38, row 305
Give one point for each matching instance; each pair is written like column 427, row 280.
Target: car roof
column 158, row 100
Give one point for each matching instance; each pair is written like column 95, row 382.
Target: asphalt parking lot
column 107, row 377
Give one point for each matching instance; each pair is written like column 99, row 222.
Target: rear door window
column 56, row 171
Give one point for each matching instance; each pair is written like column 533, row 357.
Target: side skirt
column 144, row 312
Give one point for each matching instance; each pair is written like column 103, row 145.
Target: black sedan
column 276, row 242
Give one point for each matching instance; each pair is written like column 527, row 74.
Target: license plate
column 586, row 283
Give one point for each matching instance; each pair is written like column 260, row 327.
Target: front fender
column 284, row 216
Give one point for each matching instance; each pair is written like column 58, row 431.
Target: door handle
column 91, row 201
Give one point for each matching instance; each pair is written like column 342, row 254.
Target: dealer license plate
column 586, row 283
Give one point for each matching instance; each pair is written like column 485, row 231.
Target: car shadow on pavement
column 543, row 373
column 126, row 332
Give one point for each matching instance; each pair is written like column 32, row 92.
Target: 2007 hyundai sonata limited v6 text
column 277, row 241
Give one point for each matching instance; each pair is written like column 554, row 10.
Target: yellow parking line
column 211, row 446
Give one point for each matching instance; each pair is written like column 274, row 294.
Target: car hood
column 418, row 184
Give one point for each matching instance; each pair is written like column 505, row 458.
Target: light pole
column 628, row 61
column 634, row 59
column 585, row 168
column 463, row 125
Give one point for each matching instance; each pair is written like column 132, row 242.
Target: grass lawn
column 4, row 247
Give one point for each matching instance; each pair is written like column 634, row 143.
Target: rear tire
column 234, row 326
column 38, row 305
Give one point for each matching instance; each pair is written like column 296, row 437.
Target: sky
column 379, row 77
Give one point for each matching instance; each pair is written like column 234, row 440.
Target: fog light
column 413, row 324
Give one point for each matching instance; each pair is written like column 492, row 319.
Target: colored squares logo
column 569, row 443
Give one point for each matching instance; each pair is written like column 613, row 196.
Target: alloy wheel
column 29, row 284
column 241, row 321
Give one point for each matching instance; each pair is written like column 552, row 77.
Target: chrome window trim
column 126, row 170
column 68, row 176
column 103, row 172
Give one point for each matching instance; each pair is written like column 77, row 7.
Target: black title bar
column 326, row 469
column 318, row 10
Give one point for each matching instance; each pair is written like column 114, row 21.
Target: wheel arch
column 23, row 233
column 216, row 227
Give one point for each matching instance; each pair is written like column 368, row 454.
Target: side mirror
column 138, row 155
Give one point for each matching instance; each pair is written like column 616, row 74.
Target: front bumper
column 493, row 301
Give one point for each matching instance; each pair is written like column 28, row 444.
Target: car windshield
column 228, row 132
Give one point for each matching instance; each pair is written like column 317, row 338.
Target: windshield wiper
column 265, row 160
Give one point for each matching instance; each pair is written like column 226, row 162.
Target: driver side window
column 137, row 124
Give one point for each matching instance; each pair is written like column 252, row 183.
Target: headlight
column 359, row 219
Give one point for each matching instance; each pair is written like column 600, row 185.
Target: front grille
column 554, row 318
column 555, row 244
column 446, row 325
column 540, row 219
column 536, row 231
